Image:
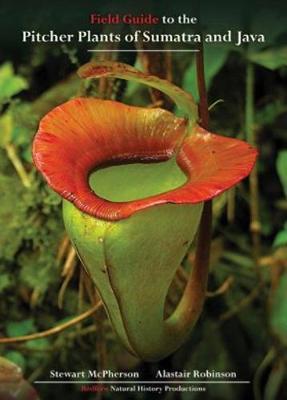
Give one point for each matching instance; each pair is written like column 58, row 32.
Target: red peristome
column 84, row 133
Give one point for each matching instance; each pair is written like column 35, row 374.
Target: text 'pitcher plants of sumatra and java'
column 134, row 181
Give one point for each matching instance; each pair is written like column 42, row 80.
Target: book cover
column 143, row 188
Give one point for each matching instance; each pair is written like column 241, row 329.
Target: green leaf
column 281, row 166
column 16, row 358
column 272, row 58
column 10, row 84
column 281, row 237
column 38, row 344
column 20, row 328
column 279, row 310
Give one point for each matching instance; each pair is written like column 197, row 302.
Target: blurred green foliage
column 271, row 58
column 10, row 84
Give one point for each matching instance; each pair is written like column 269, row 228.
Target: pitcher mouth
column 85, row 133
column 137, row 179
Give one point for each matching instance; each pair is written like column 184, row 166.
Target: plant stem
column 255, row 226
column 202, row 255
column 17, row 163
column 55, row 330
